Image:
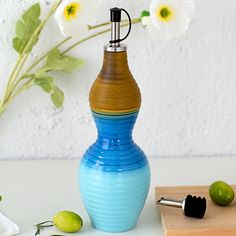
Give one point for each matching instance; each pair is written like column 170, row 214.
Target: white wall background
column 188, row 87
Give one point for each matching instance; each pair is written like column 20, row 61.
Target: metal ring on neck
column 120, row 48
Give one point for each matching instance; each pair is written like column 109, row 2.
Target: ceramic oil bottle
column 114, row 174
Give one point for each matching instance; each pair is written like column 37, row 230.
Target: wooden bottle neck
column 114, row 63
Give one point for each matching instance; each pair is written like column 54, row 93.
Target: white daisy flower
column 73, row 16
column 169, row 18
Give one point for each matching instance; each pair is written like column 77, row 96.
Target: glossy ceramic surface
column 114, row 175
column 115, row 91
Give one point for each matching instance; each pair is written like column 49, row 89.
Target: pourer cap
column 115, row 42
column 115, row 14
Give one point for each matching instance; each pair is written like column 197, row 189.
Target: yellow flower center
column 71, row 10
column 165, row 13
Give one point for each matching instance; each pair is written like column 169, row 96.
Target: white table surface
column 33, row 191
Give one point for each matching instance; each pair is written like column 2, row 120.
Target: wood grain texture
column 115, row 90
column 218, row 221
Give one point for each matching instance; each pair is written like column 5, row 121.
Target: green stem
column 84, row 40
column 22, row 88
column 23, row 58
column 35, row 34
column 90, row 27
column 10, row 79
column 134, row 21
column 42, row 226
column 8, row 99
column 46, row 54
column 12, row 95
column 25, row 76
column 48, row 221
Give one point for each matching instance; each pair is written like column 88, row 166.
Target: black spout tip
column 195, row 206
column 115, row 14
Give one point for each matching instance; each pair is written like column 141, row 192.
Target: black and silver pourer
column 192, row 206
column 115, row 42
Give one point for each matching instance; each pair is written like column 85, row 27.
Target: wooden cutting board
column 218, row 221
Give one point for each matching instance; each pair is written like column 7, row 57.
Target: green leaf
column 57, row 62
column 43, row 80
column 17, row 45
column 32, row 13
column 46, row 87
column 145, row 13
column 20, row 28
column 25, row 28
column 45, row 83
column 57, row 97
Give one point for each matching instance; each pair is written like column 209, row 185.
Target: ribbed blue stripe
column 114, row 175
column 114, row 150
column 113, row 200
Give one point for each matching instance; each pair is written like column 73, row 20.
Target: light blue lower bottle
column 114, row 175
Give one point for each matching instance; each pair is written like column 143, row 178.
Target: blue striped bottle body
column 114, row 175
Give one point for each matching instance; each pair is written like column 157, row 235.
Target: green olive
column 67, row 221
column 221, row 193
